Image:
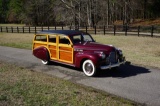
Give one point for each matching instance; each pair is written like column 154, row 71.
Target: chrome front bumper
column 113, row 65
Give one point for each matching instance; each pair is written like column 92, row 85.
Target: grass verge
column 19, row 86
column 16, row 40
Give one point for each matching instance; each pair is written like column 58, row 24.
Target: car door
column 65, row 49
column 52, row 46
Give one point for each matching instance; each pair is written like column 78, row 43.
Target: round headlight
column 103, row 56
column 120, row 52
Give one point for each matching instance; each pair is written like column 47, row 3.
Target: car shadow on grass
column 127, row 70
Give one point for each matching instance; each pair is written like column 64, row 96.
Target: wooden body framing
column 57, row 50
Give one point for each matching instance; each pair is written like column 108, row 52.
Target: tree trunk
column 89, row 13
column 107, row 13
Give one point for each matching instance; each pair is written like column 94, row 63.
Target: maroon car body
column 79, row 50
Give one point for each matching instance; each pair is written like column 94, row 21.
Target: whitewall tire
column 89, row 68
column 45, row 62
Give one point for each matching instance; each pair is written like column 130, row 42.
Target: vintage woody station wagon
column 76, row 48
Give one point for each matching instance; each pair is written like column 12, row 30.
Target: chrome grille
column 113, row 57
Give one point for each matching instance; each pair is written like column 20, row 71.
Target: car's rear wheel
column 89, row 68
column 45, row 62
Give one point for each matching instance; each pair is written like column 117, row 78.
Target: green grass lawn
column 19, row 86
column 16, row 40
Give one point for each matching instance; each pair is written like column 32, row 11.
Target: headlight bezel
column 101, row 54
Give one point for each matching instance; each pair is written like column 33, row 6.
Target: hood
column 94, row 46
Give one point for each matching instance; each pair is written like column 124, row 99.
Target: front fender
column 80, row 57
column 41, row 53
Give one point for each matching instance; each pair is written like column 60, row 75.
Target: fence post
column 62, row 27
column 138, row 30
column 12, row 29
column 17, row 29
column 23, row 29
column 126, row 30
column 29, row 30
column 152, row 30
column 42, row 28
column 1, row 29
column 77, row 27
column 55, row 27
column 35, row 30
column 95, row 30
column 48, row 27
column 7, row 29
column 114, row 30
column 104, row 29
column 86, row 29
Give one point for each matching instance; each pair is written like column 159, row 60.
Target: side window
column 87, row 38
column 64, row 40
column 52, row 39
column 42, row 38
column 77, row 38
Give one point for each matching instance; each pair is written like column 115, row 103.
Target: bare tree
column 77, row 12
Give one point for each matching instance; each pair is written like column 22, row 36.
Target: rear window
column 42, row 38
column 52, row 39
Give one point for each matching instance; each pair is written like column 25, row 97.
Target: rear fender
column 41, row 53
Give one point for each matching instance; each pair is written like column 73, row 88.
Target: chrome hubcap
column 88, row 68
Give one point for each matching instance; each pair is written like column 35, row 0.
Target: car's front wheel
column 89, row 68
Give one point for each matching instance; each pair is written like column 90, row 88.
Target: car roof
column 64, row 32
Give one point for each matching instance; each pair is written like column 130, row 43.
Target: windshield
column 82, row 38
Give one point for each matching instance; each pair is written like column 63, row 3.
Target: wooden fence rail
column 153, row 31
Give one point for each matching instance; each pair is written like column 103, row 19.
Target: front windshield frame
column 79, row 38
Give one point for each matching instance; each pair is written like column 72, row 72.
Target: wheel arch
column 81, row 58
column 84, row 59
column 42, row 53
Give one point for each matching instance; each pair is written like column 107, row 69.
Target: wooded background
column 77, row 12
